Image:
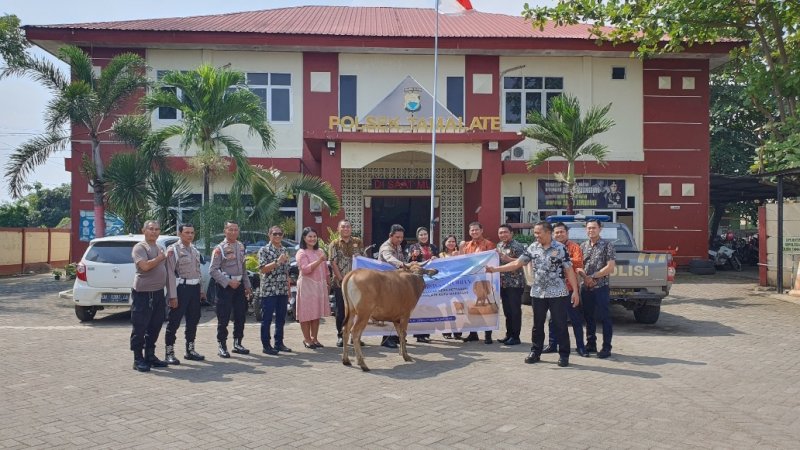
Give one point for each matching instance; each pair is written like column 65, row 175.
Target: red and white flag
column 454, row 6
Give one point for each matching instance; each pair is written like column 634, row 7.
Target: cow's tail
column 347, row 303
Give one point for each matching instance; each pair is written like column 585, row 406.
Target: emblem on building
column 411, row 99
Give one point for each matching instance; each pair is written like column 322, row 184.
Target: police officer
column 184, row 293
column 148, row 305
column 233, row 287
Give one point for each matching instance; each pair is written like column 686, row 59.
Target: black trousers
column 558, row 313
column 189, row 306
column 147, row 316
column 229, row 299
column 512, row 309
column 339, row 310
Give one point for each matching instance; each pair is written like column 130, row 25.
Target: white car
column 104, row 276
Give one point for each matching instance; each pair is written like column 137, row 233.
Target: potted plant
column 70, row 270
column 57, row 274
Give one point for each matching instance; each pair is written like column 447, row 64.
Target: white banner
column 462, row 297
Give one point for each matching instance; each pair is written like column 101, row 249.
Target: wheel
column 85, row 313
column 702, row 267
column 736, row 263
column 647, row 314
column 257, row 309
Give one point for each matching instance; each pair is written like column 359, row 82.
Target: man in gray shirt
column 148, row 304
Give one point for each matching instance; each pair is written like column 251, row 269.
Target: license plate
column 114, row 298
column 618, row 293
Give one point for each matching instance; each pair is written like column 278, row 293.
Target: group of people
column 568, row 280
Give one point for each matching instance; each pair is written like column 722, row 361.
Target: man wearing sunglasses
column 273, row 262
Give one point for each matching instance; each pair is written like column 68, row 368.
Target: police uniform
column 183, row 269
column 147, row 306
column 227, row 264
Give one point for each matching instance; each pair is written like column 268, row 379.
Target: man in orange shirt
column 477, row 244
column 561, row 234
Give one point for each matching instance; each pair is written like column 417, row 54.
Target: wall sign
column 401, row 183
column 590, row 194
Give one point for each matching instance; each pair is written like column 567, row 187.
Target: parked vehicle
column 642, row 279
column 104, row 276
column 723, row 255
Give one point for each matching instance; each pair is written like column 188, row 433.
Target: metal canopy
column 729, row 188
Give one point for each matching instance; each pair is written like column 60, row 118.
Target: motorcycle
column 255, row 302
column 724, row 256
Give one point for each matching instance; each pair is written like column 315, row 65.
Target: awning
column 730, row 189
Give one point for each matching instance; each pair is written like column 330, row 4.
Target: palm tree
column 83, row 99
column 141, row 182
column 211, row 100
column 566, row 134
column 271, row 188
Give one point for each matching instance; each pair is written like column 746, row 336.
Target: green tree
column 768, row 67
column 48, row 207
column 12, row 42
column 13, row 215
column 139, row 185
column 567, row 134
column 83, row 99
column 211, row 100
column 271, row 188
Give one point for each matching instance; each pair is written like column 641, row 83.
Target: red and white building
column 348, row 91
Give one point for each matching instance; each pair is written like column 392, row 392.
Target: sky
column 24, row 101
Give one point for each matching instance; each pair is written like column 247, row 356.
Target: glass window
column 455, row 95
column 348, row 95
column 274, row 91
column 280, row 106
column 166, row 113
column 513, row 111
column 536, row 92
column 111, row 252
column 261, row 79
column 513, row 202
column 281, row 79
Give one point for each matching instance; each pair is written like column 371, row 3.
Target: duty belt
column 235, row 277
column 188, row 281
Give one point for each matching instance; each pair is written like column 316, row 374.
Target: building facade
column 350, row 95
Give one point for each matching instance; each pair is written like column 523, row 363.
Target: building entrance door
column 410, row 212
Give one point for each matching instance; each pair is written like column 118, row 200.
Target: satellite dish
column 518, row 152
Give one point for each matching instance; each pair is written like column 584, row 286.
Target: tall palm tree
column 210, row 100
column 567, row 135
column 83, row 99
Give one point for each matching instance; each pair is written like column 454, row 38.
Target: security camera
column 331, row 152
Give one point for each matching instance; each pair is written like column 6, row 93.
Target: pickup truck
column 641, row 279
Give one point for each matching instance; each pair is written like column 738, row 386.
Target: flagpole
column 434, row 119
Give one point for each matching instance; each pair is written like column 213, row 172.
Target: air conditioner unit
column 518, row 153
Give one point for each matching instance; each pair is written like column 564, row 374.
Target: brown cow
column 383, row 296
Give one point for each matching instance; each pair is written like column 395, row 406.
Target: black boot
column 223, row 350
column 238, row 348
column 152, row 359
column 169, row 357
column 191, row 354
column 139, row 363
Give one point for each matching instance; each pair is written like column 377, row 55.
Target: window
column 163, row 112
column 348, row 96
column 535, row 93
column 617, row 73
column 513, row 209
column 275, row 92
column 185, row 208
column 455, row 96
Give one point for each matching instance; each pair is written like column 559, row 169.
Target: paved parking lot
column 719, row 369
